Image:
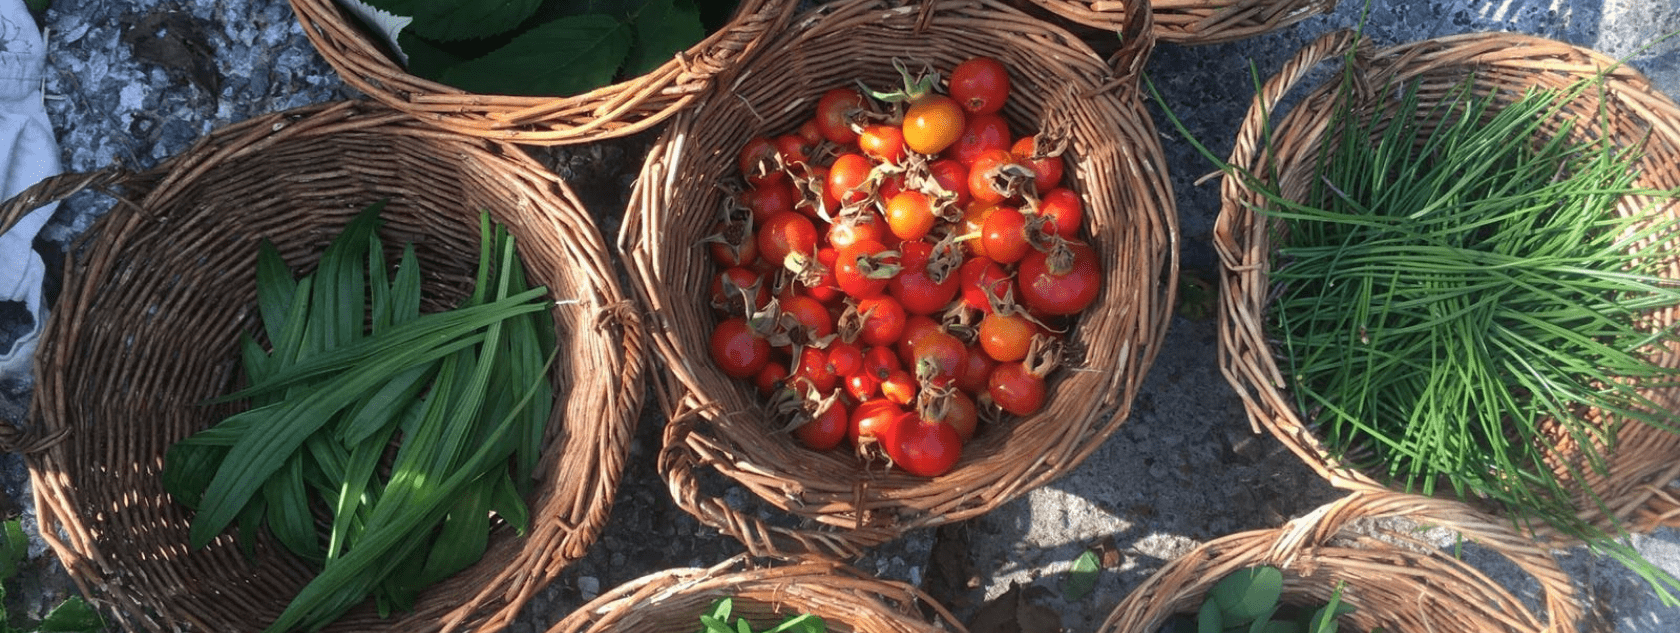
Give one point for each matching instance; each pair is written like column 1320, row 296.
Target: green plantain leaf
column 564, row 57
column 1247, row 594
column 455, row 20
column 663, row 29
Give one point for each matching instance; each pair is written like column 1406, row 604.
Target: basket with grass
column 1451, row 269
column 201, row 281
column 1190, row 22
column 784, row 595
column 723, row 432
column 1341, row 564
column 575, row 79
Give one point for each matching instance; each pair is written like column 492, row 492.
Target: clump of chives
column 1461, row 289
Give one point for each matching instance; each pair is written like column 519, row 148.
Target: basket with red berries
column 912, row 263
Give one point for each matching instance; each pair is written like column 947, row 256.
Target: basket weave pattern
column 1645, row 458
column 764, row 592
column 1391, row 580
column 721, row 425
column 160, row 288
column 621, row 109
column 1194, row 21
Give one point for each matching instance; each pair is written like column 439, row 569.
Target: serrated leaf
column 456, row 20
column 663, row 29
column 1247, row 594
column 1083, row 577
column 564, row 57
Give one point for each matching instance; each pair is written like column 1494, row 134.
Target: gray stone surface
column 133, row 82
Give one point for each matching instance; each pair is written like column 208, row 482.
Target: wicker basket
column 765, row 592
column 156, row 294
column 1392, row 581
column 1192, row 22
column 616, row 110
column 721, row 425
column 1644, row 458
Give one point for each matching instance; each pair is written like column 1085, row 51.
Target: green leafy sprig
column 352, row 368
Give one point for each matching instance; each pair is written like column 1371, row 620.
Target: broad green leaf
column 289, row 518
column 276, row 289
column 1263, row 621
column 426, row 58
column 14, row 550
column 564, row 57
column 344, row 582
column 1247, row 594
column 455, row 20
column 188, row 468
column 465, row 532
column 663, row 29
column 508, row 504
column 74, row 615
column 261, row 451
column 1209, row 619
column 1083, row 577
column 722, row 608
column 802, row 623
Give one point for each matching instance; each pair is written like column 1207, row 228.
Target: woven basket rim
column 488, row 595
column 1194, row 22
column 1246, row 357
column 615, row 110
column 1333, row 542
column 833, row 590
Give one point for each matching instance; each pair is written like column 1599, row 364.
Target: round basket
column 612, row 111
column 721, row 425
column 148, row 326
column 1644, row 458
column 1191, row 22
column 1392, row 580
column 764, row 592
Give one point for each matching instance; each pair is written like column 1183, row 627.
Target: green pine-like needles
column 1465, row 288
column 380, row 442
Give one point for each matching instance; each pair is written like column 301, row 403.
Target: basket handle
column 19, row 435
column 679, row 458
column 1325, row 523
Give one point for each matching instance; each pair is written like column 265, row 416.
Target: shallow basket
column 615, row 110
column 765, row 591
column 1644, row 459
column 147, row 328
column 721, row 425
column 1392, row 580
column 1192, row 22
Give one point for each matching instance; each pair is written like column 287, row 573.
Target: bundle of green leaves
column 403, row 432
column 1463, row 285
column 1250, row 601
column 547, row 47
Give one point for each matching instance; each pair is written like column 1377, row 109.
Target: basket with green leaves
column 329, row 370
column 1453, row 269
column 541, row 73
column 804, row 594
column 1349, row 566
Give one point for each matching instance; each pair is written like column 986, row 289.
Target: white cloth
column 28, row 153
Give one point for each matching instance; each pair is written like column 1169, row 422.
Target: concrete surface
column 1185, row 468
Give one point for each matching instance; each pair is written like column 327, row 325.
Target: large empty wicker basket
column 148, row 325
column 633, row 105
column 721, row 425
column 1644, row 458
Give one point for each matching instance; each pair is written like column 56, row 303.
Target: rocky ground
column 133, row 82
